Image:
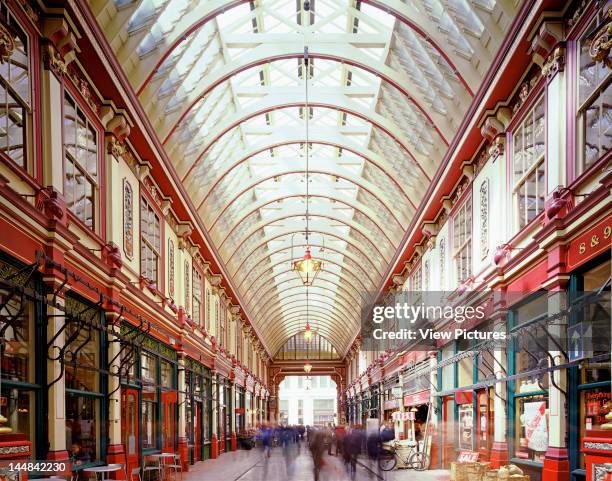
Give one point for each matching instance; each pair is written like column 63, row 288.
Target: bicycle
column 417, row 460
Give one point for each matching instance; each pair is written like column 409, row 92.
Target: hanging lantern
column 307, row 268
column 308, row 332
column 307, row 367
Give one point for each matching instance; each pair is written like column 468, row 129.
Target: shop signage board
column 588, row 245
column 405, row 416
column 416, row 398
column 391, row 404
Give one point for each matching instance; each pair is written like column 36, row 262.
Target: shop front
column 392, row 397
column 240, row 409
column 198, row 409
column 374, row 407
column 416, row 410
column 86, row 387
column 224, row 410
column 249, row 417
column 590, row 402
column 21, row 399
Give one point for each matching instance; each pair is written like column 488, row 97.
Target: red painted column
column 214, row 447
column 499, row 454
column 556, row 465
column 233, row 441
column 115, row 454
column 183, row 451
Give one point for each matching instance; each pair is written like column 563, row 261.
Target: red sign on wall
column 463, row 397
column 416, row 399
column 593, row 242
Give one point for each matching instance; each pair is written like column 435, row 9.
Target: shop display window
column 82, row 361
column 531, row 427
column 167, row 375
column 448, row 372
column 531, row 347
column 18, row 348
column 18, row 406
column 149, row 421
column 82, row 428
column 466, row 426
column 465, row 367
column 485, row 418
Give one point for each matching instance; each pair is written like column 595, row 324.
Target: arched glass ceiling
column 222, row 82
column 298, row 347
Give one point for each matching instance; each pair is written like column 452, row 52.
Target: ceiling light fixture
column 307, row 367
column 308, row 331
column 307, row 267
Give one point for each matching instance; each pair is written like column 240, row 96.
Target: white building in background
column 308, row 400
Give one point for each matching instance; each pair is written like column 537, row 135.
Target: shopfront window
column 148, row 374
column 594, row 101
column 531, row 427
column 15, row 92
column 594, row 405
column 84, row 399
column 465, row 367
column 448, row 371
column 82, row 360
column 466, row 426
column 82, row 428
column 531, row 346
column 149, row 422
column 17, row 327
column 16, row 321
column 167, row 375
column 594, row 374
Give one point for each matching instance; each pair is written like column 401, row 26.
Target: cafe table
column 104, row 470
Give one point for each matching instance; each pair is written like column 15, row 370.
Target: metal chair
column 149, row 467
column 135, row 472
column 122, row 470
column 176, row 466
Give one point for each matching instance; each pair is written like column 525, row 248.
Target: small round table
column 108, row 468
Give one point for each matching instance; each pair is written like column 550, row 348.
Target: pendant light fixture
column 307, row 267
column 308, row 330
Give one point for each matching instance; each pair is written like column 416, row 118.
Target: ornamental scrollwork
column 554, row 63
column 599, row 48
column 7, row 44
column 54, row 61
column 128, row 219
column 484, row 218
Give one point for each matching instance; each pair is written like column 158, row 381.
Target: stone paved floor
column 295, row 466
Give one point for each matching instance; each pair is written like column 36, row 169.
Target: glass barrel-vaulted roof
column 223, row 84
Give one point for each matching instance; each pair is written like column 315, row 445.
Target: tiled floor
column 294, row 465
